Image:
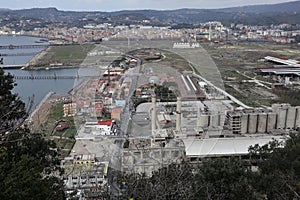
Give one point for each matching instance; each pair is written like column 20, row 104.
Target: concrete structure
column 215, row 120
column 203, row 120
column 148, row 155
column 291, row 118
column 262, row 123
column 84, row 172
column 234, row 122
column 288, row 117
column 252, row 121
column 297, row 120
column 281, row 111
column 163, row 119
column 243, row 124
column 153, row 114
column 178, row 114
column 271, row 122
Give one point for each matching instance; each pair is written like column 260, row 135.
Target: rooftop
column 105, row 122
column 214, row 147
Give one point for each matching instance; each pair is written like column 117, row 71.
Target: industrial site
column 151, row 107
column 150, row 100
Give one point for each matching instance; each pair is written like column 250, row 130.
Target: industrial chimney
column 153, row 115
column 178, row 114
column 209, row 32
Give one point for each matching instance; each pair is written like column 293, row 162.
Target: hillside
column 256, row 14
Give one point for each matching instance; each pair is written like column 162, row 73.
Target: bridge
column 31, row 46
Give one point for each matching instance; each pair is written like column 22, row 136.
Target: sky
column 114, row 5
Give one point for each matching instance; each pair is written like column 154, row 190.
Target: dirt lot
column 248, row 55
column 237, row 63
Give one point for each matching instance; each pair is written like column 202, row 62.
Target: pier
column 31, row 46
column 50, row 77
column 17, row 54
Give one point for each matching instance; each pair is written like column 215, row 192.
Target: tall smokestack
column 209, row 32
column 153, row 115
column 178, row 114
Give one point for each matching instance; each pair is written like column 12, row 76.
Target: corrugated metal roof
column 224, row 146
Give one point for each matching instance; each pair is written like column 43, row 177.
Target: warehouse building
column 198, row 149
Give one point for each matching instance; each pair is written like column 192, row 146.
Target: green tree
column 171, row 182
column 223, row 178
column 12, row 109
column 28, row 163
column 279, row 169
column 297, row 38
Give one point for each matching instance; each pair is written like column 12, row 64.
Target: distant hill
column 4, row 9
column 293, row 6
column 256, row 14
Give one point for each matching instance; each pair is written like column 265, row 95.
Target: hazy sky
column 111, row 5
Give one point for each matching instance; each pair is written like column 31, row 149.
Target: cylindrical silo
column 291, row 117
column 244, row 123
column 262, row 123
column 271, row 123
column 281, row 118
column 297, row 117
column 252, row 125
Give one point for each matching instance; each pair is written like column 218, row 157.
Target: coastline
column 46, row 97
column 43, row 59
column 34, row 60
column 40, row 114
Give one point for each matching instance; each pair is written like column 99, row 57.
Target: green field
column 55, row 115
column 68, row 55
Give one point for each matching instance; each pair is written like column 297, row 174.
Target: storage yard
column 248, row 75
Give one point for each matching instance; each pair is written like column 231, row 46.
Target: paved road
column 116, row 161
column 126, row 115
column 114, row 169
